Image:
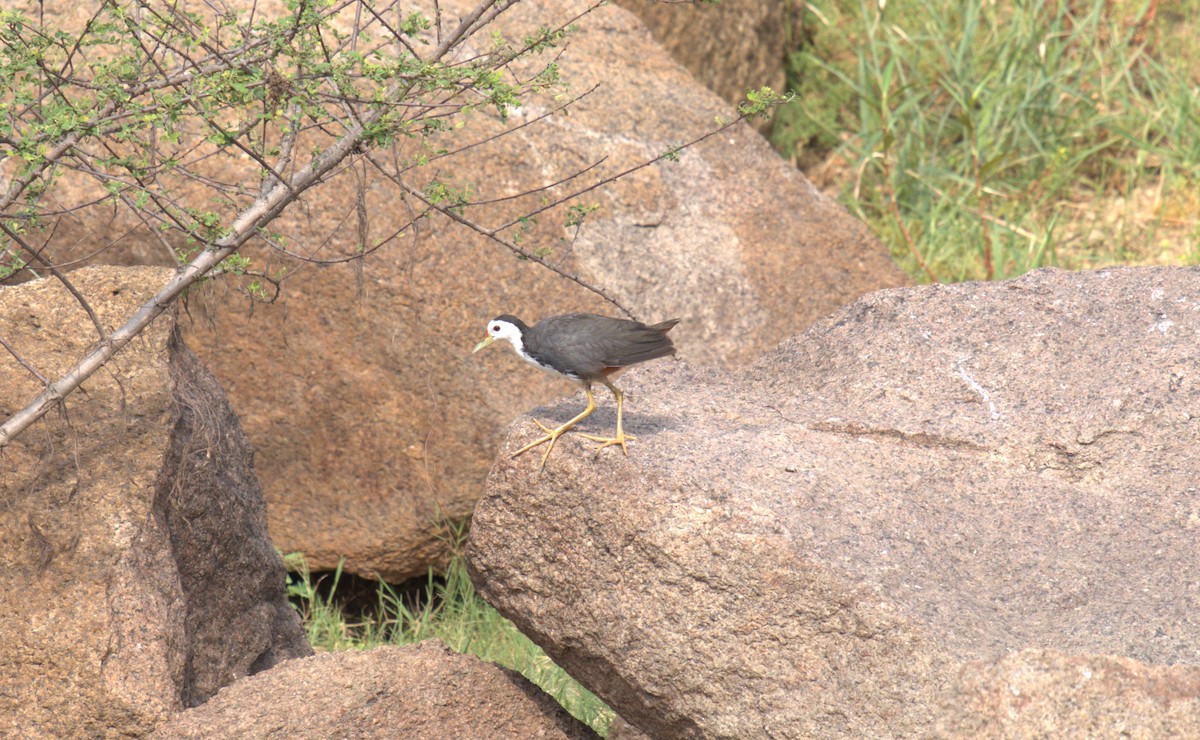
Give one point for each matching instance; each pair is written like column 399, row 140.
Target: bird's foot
column 551, row 436
column 620, row 439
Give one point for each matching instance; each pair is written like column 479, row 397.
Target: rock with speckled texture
column 749, row 37
column 423, row 692
column 824, row 543
column 136, row 573
column 1047, row 694
column 372, row 422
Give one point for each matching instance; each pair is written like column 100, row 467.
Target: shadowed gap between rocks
column 205, row 506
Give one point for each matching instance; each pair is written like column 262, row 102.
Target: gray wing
column 591, row 343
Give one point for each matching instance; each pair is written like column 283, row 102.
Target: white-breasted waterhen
column 586, row 348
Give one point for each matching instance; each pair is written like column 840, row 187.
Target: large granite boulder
column 748, row 37
column 423, row 691
column 136, row 573
column 857, row 535
column 1046, row 693
column 372, row 422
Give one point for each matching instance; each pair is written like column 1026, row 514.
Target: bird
column 586, row 348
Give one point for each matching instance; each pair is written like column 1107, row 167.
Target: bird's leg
column 552, row 435
column 621, row 437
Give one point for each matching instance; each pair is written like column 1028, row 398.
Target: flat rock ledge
column 956, row 511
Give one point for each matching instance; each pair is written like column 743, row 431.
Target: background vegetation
column 982, row 139
column 445, row 607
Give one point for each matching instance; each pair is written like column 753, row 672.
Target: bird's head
column 502, row 327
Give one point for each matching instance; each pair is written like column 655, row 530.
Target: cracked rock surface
column 136, row 573
column 845, row 538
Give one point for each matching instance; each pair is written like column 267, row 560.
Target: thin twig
column 17, row 356
column 286, row 146
column 58, row 274
column 495, row 236
column 508, row 131
column 18, row 185
column 670, row 153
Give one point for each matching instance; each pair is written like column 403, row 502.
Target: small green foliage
column 547, row 38
column 10, row 263
column 449, row 609
column 414, row 23
column 206, row 225
column 577, row 213
column 234, row 263
column 448, row 197
column 759, row 101
column 546, row 79
column 524, row 225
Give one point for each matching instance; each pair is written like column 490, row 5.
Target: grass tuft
column 447, row 608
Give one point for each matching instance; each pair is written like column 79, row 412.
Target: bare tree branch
column 494, row 235
column 668, row 154
column 289, row 89
column 248, row 223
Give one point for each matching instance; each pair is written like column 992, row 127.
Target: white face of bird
column 501, row 329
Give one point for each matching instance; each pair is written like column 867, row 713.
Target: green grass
column 449, row 609
column 982, row 139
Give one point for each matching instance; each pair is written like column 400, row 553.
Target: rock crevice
column 136, row 576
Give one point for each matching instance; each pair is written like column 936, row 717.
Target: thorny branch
column 249, row 222
column 352, row 92
column 669, row 154
column 455, row 212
